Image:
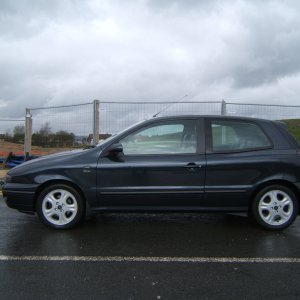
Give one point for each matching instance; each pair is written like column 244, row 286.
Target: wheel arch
column 282, row 182
column 58, row 181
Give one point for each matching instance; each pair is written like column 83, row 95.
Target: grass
column 293, row 127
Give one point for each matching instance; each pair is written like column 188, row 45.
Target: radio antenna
column 169, row 105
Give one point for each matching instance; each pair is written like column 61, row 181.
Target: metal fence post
column 96, row 122
column 223, row 108
column 28, row 134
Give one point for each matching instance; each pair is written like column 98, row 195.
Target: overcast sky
column 63, row 52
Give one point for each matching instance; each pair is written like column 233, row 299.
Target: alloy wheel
column 275, row 207
column 59, row 207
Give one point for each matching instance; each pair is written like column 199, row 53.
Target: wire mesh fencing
column 115, row 116
column 61, row 127
column 53, row 129
column 264, row 111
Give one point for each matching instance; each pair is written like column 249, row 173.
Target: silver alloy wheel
column 59, row 207
column 275, row 207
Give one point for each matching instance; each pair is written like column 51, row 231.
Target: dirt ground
column 2, row 173
column 18, row 149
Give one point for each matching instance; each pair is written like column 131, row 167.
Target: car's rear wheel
column 60, row 206
column 275, row 207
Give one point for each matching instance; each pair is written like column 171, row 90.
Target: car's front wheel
column 60, row 206
column 275, row 207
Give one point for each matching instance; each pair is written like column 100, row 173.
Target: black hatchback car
column 182, row 163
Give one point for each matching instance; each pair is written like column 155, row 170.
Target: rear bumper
column 20, row 196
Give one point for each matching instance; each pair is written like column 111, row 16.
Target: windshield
column 119, row 133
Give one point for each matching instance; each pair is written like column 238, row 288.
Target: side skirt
column 168, row 209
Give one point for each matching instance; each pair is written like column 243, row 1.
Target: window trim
column 208, row 130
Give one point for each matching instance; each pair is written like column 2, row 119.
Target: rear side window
column 228, row 135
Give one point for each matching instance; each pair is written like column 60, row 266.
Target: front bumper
column 20, row 196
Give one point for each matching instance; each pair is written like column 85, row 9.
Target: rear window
column 228, row 135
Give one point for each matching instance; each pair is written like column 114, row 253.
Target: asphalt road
column 148, row 256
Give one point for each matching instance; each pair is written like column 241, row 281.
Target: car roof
column 210, row 116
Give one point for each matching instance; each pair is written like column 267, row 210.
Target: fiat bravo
column 181, row 163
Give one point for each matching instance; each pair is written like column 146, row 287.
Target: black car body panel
column 70, row 167
column 139, row 178
column 222, row 180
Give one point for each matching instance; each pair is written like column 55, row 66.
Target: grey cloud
column 273, row 48
column 21, row 19
column 55, row 52
column 187, row 4
column 267, row 47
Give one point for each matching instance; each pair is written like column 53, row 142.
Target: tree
column 45, row 138
column 45, row 129
column 62, row 139
column 42, row 137
column 18, row 134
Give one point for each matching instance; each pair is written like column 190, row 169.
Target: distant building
column 102, row 136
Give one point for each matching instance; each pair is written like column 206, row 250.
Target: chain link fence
column 54, row 129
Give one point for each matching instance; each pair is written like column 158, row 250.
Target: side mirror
column 115, row 148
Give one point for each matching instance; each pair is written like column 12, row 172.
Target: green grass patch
column 293, row 126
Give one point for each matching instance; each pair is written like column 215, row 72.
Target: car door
column 238, row 158
column 162, row 165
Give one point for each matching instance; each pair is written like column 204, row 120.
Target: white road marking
column 152, row 259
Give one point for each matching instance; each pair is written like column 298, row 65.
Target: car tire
column 60, row 206
column 275, row 207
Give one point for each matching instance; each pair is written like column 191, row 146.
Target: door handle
column 192, row 166
column 87, row 169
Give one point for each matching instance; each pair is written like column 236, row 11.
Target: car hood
column 48, row 161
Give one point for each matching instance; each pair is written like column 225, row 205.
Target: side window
column 162, row 138
column 230, row 135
